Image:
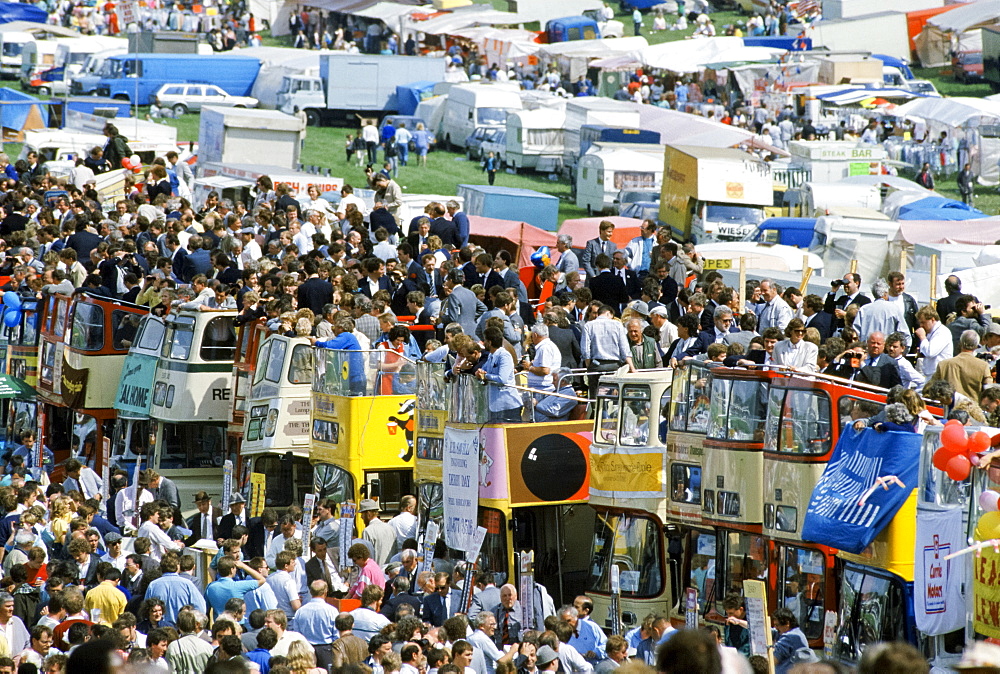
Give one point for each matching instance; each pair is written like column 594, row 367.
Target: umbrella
column 12, row 387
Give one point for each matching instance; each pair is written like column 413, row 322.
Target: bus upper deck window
column 88, row 327
column 300, row 370
column 219, row 340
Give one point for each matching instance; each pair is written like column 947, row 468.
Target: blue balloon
column 541, row 257
column 12, row 299
column 11, row 317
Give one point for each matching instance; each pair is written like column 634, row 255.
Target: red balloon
column 942, row 456
column 958, row 467
column 979, row 442
column 953, row 436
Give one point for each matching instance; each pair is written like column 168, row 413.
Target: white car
column 182, row 98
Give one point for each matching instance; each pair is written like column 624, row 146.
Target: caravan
column 535, row 139
column 605, row 171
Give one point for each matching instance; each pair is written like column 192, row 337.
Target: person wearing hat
column 114, row 555
column 235, row 516
column 546, row 659
column 659, row 319
column 378, row 533
column 204, row 523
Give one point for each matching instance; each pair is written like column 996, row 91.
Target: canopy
column 983, row 232
column 584, row 229
column 392, row 14
column 12, row 387
column 973, row 15
column 938, row 208
column 518, row 238
column 894, row 182
column 857, row 95
column 474, row 15
column 677, row 127
column 691, row 56
column 952, row 111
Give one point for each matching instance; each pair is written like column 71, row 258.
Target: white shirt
column 124, row 507
column 935, row 347
column 802, row 355
column 908, row 375
column 159, row 542
column 285, row 590
column 546, row 355
column 369, row 133
column 405, row 526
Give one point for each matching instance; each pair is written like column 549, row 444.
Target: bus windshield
column 607, row 414
column 177, row 342
column 803, row 588
column 333, row 482
column 88, row 327
column 690, row 395
column 737, row 410
column 873, row 608
column 806, row 431
column 633, row 544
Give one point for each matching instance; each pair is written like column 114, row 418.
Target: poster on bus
column 461, row 487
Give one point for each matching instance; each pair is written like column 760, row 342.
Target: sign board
column 258, row 493
column 307, row 518
column 526, row 588
column 691, row 608
column 133, row 493
column 135, row 387
column 461, row 487
column 347, row 512
column 430, row 540
column 721, row 263
column 760, row 625
column 829, row 633
column 227, row 484
column 105, row 467
column 128, row 12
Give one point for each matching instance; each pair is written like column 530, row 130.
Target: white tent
column 961, row 117
column 955, row 30
column 691, row 56
column 575, row 57
column 392, row 14
column 275, row 63
column 681, row 128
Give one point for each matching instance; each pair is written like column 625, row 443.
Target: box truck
column 136, row 78
column 354, row 83
column 713, row 194
column 473, row 106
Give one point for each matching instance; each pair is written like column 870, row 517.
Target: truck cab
column 301, row 92
column 572, row 28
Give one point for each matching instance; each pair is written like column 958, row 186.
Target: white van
column 84, row 82
column 73, row 55
column 470, row 106
column 603, row 172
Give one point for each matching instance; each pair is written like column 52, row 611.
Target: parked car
column 628, row 197
column 474, row 143
column 182, row 98
column 643, row 210
column 411, row 122
column 497, row 144
column 923, row 87
column 967, row 66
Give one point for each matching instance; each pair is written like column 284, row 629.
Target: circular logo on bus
column 554, row 467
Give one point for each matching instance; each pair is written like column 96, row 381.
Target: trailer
column 535, row 139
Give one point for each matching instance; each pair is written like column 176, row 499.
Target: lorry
column 354, row 83
column 472, row 106
column 713, row 194
column 70, row 58
column 136, row 77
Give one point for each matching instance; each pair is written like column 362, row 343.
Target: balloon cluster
column 959, row 452
column 11, row 309
column 541, row 257
column 132, row 163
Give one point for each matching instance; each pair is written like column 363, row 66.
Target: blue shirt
column 499, row 368
column 315, row 621
column 224, row 589
column 262, row 657
column 591, row 639
column 175, row 592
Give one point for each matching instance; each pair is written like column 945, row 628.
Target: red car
column 967, row 66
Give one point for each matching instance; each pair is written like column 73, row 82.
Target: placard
column 691, row 608
column 461, row 487
column 526, row 588
column 760, row 625
column 307, row 518
column 258, row 493
column 829, row 633
column 347, row 512
column 227, row 484
column 430, row 540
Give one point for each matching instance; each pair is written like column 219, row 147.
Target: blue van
column 124, row 76
column 572, row 28
column 786, row 231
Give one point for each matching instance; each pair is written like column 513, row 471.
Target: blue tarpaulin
column 789, row 42
column 408, row 96
column 938, row 208
column 17, row 11
column 834, row 516
column 16, row 108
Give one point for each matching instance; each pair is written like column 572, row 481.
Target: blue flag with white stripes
column 845, row 512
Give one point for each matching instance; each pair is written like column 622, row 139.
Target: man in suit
column 723, row 325
column 461, row 221
column 837, row 306
column 434, row 608
column 315, row 293
column 418, row 239
column 488, row 597
column 163, row 488
column 567, row 259
column 400, row 595
column 601, row 245
column 85, row 561
column 320, row 566
column 199, row 258
column 262, row 530
column 607, row 287
column 178, row 256
column 620, row 268
column 235, row 517
column 946, row 305
column 814, row 316
column 83, row 241
column 461, row 305
column 444, row 228
column 488, row 276
column 204, row 523
column 375, row 278
column 873, row 365
column 508, row 626
column 415, row 278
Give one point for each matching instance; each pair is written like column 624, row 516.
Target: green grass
column 948, row 86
